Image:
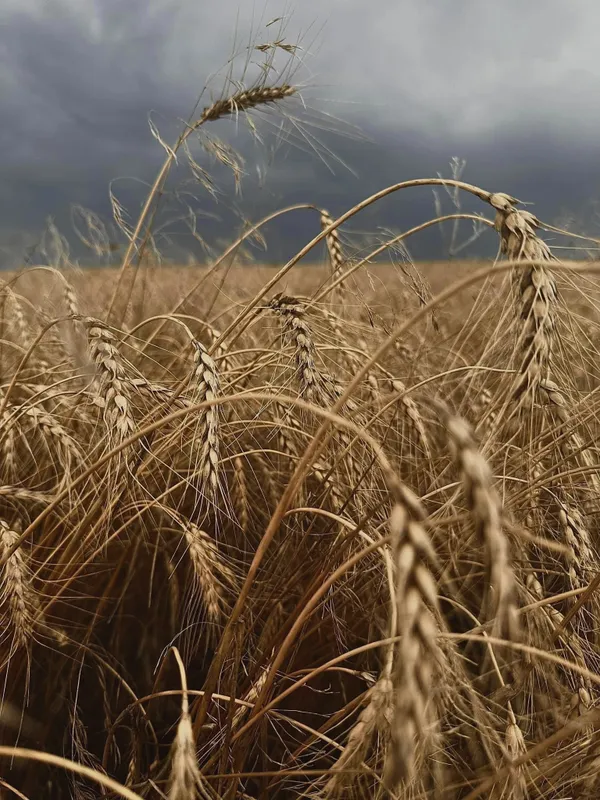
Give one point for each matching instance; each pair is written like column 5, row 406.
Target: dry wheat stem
column 576, row 449
column 78, row 769
column 582, row 560
column 413, row 415
column 244, row 100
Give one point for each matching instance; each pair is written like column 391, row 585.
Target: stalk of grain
column 418, row 656
column 239, row 495
column 185, row 780
column 515, row 747
column 574, row 448
column 214, row 578
column 245, row 100
column 413, row 416
column 27, row 495
column 314, row 386
column 376, row 717
column 70, row 297
column 249, row 698
column 239, row 102
column 579, row 684
column 537, row 298
column 8, row 431
column 582, row 563
column 536, row 293
column 112, row 390
column 51, row 429
column 25, row 337
column 296, row 330
column 484, row 414
column 486, row 510
column 22, row 327
column 334, row 247
column 161, row 394
column 206, row 387
column 18, row 597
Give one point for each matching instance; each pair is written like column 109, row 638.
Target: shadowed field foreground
column 302, row 533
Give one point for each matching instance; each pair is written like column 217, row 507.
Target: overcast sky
column 513, row 87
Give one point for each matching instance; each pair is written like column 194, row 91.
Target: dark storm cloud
column 514, row 91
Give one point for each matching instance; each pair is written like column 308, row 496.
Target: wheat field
column 314, row 531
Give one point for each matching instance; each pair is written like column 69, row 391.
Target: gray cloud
column 514, row 91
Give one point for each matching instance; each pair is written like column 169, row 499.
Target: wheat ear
column 418, row 655
column 245, row 100
column 212, row 574
column 536, row 292
column 112, row 386
column 206, row 382
column 297, row 330
column 334, row 247
column 377, row 714
column 485, row 507
column 17, row 596
column 185, row 781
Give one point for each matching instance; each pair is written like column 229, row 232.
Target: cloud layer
column 513, row 90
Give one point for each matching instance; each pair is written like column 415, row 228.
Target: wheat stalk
column 206, row 387
column 515, row 747
column 213, row 575
column 575, row 450
column 111, row 383
column 52, row 429
column 297, row 330
column 244, row 100
column 239, row 495
column 413, row 415
column 185, row 780
column 582, row 561
column 18, row 596
column 486, row 511
column 536, row 293
column 418, row 656
column 376, row 716
column 334, row 247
